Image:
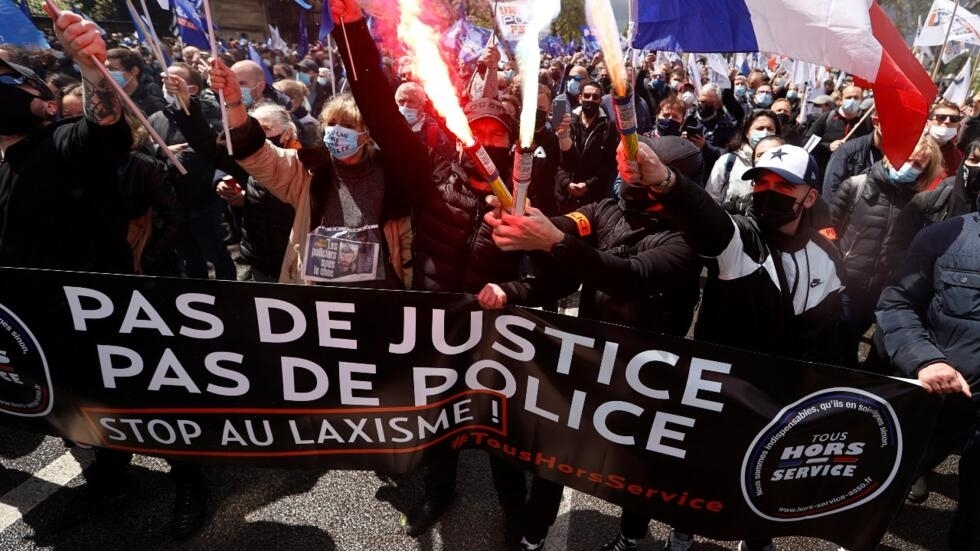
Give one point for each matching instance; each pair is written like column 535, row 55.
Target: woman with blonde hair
column 863, row 212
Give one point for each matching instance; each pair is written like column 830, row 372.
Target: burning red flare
column 422, row 43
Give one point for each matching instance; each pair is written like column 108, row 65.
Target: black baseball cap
column 29, row 78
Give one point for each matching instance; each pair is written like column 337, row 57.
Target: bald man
column 251, row 77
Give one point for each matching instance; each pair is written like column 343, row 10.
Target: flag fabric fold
column 17, row 28
column 190, row 28
column 326, row 22
column 855, row 36
column 959, row 88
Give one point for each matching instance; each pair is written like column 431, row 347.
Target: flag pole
column 333, row 76
column 127, row 101
column 221, row 93
column 949, row 29
column 859, row 123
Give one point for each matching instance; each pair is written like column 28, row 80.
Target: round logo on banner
column 25, row 384
column 829, row 452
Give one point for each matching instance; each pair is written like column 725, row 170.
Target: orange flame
column 602, row 21
column 422, row 43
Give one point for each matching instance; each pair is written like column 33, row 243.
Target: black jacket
column 854, row 157
column 768, row 292
column 592, row 159
column 948, row 200
column 60, row 207
column 864, row 226
column 636, row 269
column 453, row 247
column 195, row 190
column 146, row 184
column 148, row 96
column 831, row 126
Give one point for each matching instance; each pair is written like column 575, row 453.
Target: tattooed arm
column 83, row 42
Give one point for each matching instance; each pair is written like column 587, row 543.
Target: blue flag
column 304, row 41
column 189, row 25
column 304, row 4
column 326, row 21
column 16, row 28
column 253, row 54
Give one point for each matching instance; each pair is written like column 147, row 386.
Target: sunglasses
column 945, row 118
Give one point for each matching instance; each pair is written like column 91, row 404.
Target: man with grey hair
column 412, row 103
column 709, row 126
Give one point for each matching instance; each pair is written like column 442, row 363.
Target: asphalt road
column 271, row 509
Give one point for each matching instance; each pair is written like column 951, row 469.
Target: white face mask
column 942, row 134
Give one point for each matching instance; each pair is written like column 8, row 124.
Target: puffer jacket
column 928, row 312
column 856, row 156
column 864, row 225
column 948, row 200
column 453, row 248
column 635, row 266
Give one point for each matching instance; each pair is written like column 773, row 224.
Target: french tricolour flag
column 853, row 35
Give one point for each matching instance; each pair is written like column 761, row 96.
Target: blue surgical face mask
column 304, row 78
column 342, row 142
column 756, row 136
column 574, row 87
column 322, row 81
column 247, row 97
column 411, row 115
column 763, row 99
column 120, row 78
column 740, row 91
column 851, row 105
column 792, row 95
column 907, row 174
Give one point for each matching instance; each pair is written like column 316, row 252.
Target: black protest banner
column 716, row 441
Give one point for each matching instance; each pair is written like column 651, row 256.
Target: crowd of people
column 817, row 247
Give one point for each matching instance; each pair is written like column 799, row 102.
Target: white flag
column 694, row 73
column 953, row 50
column 966, row 26
column 512, row 18
column 718, row 71
column 959, row 89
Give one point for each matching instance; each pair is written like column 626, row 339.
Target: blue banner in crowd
column 17, row 28
column 189, row 25
column 467, row 39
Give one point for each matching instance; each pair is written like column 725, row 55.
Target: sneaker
column 919, row 492
column 189, row 509
column 621, row 543
column 424, row 515
column 525, row 545
column 742, row 546
column 679, row 541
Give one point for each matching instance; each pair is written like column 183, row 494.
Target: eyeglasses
column 591, row 96
column 944, row 118
column 13, row 79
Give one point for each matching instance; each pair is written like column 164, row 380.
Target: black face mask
column 16, row 118
column 276, row 140
column 540, row 118
column 773, row 209
column 590, row 108
column 707, row 112
column 502, row 159
column 969, row 178
column 668, row 127
column 783, row 119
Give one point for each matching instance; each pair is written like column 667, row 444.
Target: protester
column 448, row 202
column 928, row 316
column 855, row 157
column 251, row 79
column 670, row 117
column 127, row 69
column 308, row 129
column 715, row 127
column 944, row 127
column 834, row 127
column 636, row 269
column 201, row 238
column 863, row 211
column 819, row 106
column 412, row 104
column 791, row 131
column 803, row 322
column 573, row 87
column 590, row 165
column 725, row 184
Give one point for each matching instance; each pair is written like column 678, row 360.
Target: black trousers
column 508, row 479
